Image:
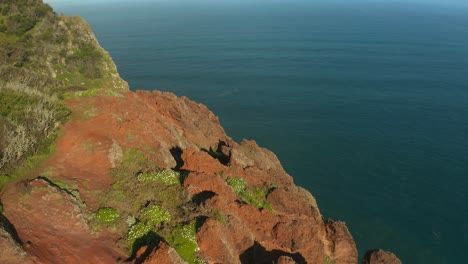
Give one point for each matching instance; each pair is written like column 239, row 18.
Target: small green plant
column 253, row 196
column 237, row 184
column 107, row 215
column 165, row 176
column 328, row 260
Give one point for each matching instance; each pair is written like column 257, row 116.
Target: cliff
column 141, row 177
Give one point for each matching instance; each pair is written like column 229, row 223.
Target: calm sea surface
column 366, row 105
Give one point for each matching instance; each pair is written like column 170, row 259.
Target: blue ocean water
column 365, row 103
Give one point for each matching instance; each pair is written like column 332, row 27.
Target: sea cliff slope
column 138, row 177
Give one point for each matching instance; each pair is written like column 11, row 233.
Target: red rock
column 200, row 161
column 380, row 256
column 161, row 254
column 223, row 243
column 340, row 245
column 51, row 225
column 294, row 200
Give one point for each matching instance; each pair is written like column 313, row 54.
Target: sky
column 438, row 2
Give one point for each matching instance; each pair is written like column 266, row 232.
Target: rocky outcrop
column 379, row 256
column 176, row 133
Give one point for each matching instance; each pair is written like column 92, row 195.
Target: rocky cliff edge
column 139, row 177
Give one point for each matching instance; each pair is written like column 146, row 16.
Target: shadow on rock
column 259, row 255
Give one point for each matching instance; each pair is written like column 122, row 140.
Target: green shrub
column 253, row 196
column 107, row 215
column 20, row 24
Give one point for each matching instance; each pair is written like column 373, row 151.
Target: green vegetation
column 152, row 204
column 136, row 236
column 155, row 215
column 86, row 58
column 58, row 48
column 29, row 116
column 44, row 57
column 107, row 215
column 184, row 240
column 164, row 176
column 251, row 195
column 220, row 217
column 328, row 260
column 87, row 93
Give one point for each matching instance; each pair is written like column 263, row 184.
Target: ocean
column 364, row 102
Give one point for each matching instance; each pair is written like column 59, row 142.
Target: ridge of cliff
column 116, row 176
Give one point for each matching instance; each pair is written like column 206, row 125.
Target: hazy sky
column 439, row 2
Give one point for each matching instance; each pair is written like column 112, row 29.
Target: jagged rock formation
column 231, row 227
column 145, row 177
